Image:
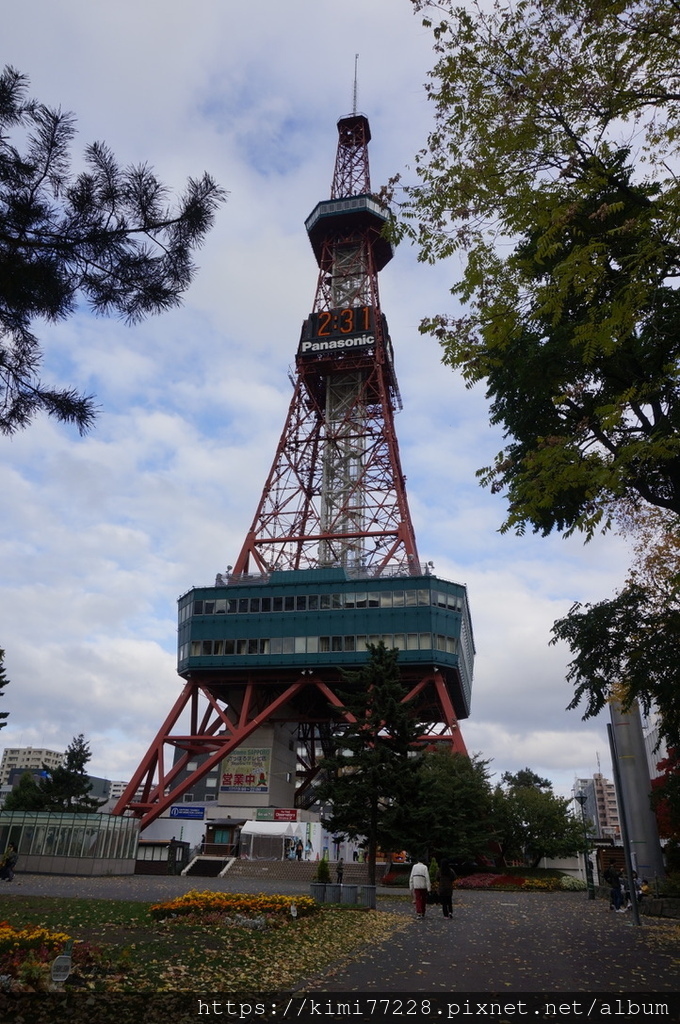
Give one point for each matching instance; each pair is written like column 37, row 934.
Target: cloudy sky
column 100, row 535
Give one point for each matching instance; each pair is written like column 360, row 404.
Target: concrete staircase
column 206, row 867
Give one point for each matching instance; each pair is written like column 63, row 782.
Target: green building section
column 317, row 618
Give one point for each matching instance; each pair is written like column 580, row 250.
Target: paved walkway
column 142, row 887
column 517, row 942
column 496, row 941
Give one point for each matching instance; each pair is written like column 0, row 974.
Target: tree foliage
column 454, row 816
column 3, row 683
column 550, row 170
column 25, row 796
column 372, row 780
column 530, row 822
column 65, row 788
column 666, row 797
column 106, row 235
column 526, row 778
column 629, row 643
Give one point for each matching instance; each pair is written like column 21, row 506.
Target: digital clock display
column 338, row 330
column 332, row 322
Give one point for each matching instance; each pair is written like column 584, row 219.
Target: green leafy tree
column 507, row 836
column 455, row 806
column 629, row 644
column 67, row 787
column 25, row 796
column 3, row 683
column 532, row 822
column 372, row 780
column 550, row 171
column 108, row 236
column 526, row 779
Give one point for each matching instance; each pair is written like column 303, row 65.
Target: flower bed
column 548, row 883
column 232, row 904
column 481, row 881
column 13, row 940
column 25, row 954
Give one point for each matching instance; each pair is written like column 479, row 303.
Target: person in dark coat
column 447, row 877
column 613, row 878
column 9, row 863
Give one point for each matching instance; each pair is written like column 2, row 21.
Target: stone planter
column 367, row 896
column 332, row 893
column 348, row 894
column 318, row 891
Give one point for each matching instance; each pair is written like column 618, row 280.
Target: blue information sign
column 198, row 813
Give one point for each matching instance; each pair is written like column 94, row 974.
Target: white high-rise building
column 600, row 806
column 30, row 758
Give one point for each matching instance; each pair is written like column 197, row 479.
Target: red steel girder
column 217, row 729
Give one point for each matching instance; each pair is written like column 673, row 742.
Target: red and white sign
column 285, row 814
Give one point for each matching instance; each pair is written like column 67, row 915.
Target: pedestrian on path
column 8, row 863
column 613, row 878
column 447, row 877
column 419, row 884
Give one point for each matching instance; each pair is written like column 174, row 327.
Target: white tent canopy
column 271, row 828
column 269, row 840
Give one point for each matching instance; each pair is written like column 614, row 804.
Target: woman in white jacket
column 419, row 884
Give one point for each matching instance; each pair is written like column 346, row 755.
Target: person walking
column 419, row 884
column 9, row 863
column 447, row 877
column 613, row 878
column 339, row 870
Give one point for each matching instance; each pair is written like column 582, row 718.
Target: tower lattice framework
column 330, row 563
column 335, row 494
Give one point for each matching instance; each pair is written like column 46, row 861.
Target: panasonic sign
column 311, row 348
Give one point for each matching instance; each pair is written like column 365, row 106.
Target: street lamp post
column 581, row 798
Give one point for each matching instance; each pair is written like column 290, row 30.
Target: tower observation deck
column 330, row 562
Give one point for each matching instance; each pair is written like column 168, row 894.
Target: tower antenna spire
column 354, row 94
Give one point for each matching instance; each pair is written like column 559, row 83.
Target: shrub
column 572, row 884
column 671, row 886
column 323, row 871
column 397, row 875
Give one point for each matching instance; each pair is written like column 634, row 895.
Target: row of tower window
column 317, row 644
column 323, row 602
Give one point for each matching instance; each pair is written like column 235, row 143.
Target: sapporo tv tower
column 330, row 562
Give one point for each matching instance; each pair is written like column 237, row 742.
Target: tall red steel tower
column 330, row 561
column 335, row 494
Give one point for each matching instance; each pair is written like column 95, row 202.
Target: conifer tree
column 108, row 236
column 372, row 780
column 67, row 787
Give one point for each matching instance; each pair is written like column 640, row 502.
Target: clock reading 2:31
column 352, row 320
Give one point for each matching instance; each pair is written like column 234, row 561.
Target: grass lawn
column 120, row 948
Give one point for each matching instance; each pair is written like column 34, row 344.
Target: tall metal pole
column 634, row 789
column 581, row 799
column 623, row 819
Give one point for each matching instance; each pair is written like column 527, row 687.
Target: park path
column 516, row 942
column 496, row 941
